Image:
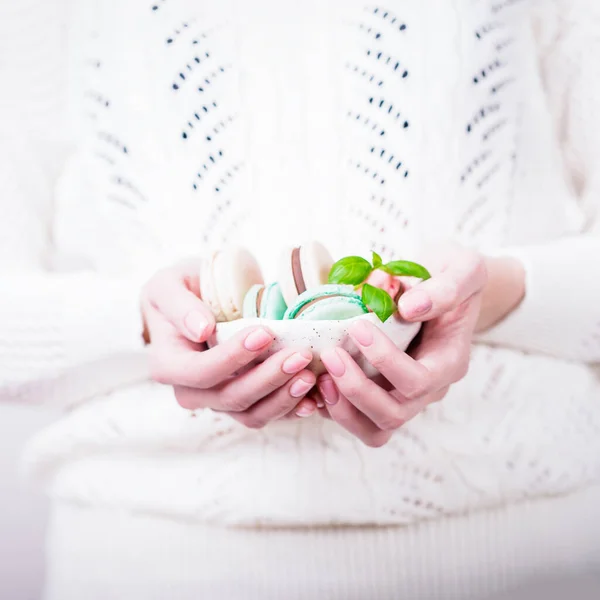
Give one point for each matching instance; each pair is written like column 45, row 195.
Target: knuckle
column 418, row 390
column 379, row 360
column 232, row 402
column 459, row 366
column 377, row 440
column 237, row 357
column 461, row 370
column 439, row 396
column 186, row 399
column 252, row 421
column 273, row 384
column 352, row 389
column 159, row 370
column 391, row 423
column 343, row 418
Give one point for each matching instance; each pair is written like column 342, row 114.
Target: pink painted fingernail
column 257, row 340
column 362, row 333
column 415, row 304
column 295, row 363
column 300, row 388
column 195, row 323
column 328, row 390
column 305, row 411
column 333, row 362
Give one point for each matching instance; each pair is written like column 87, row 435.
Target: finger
column 305, row 408
column 409, row 377
column 318, row 399
column 169, row 293
column 353, row 421
column 240, row 393
column 323, row 412
column 464, row 276
column 204, row 370
column 378, row 405
column 279, row 403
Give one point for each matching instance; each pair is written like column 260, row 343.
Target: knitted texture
column 375, row 126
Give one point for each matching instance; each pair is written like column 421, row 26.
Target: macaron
column 225, row 279
column 264, row 302
column 303, row 268
column 327, row 302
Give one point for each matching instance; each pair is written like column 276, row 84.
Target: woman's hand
column 450, row 304
column 177, row 325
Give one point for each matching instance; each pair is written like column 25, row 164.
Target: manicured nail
column 305, row 411
column 319, row 401
column 415, row 304
column 328, row 390
column 195, row 323
column 362, row 333
column 257, row 340
column 300, row 388
column 333, row 362
column 295, row 363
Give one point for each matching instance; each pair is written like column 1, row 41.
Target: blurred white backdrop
column 23, row 511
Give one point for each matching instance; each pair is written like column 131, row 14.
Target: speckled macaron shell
column 315, row 262
column 272, row 304
column 225, row 280
column 327, row 303
column 317, row 336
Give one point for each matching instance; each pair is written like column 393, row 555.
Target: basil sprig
column 355, row 270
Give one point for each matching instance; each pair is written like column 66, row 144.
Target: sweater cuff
column 560, row 314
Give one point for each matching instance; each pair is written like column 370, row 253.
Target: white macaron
column 225, row 279
column 303, row 268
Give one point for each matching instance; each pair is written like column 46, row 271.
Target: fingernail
column 300, row 388
column 305, row 411
column 195, row 323
column 362, row 333
column 295, row 363
column 328, row 390
column 319, row 401
column 333, row 362
column 415, row 304
column 257, row 340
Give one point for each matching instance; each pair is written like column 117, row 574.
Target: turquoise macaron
column 327, row 302
column 264, row 302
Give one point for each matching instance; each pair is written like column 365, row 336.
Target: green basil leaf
column 379, row 301
column 377, row 261
column 406, row 268
column 351, row 270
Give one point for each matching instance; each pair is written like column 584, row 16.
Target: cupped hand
column 449, row 303
column 178, row 324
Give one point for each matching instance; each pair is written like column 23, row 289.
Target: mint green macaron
column 327, row 302
column 264, row 302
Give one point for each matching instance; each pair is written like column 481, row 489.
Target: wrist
column 504, row 291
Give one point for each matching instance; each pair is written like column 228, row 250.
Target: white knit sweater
column 367, row 126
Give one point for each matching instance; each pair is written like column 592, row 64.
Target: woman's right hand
column 178, row 324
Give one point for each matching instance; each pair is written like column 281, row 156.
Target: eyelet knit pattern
column 369, row 126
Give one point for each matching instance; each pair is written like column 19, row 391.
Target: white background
column 23, row 511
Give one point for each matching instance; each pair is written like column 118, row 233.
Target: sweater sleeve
column 64, row 337
column 560, row 314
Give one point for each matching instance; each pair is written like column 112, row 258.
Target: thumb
column 445, row 291
column 172, row 298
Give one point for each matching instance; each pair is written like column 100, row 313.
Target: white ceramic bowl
column 317, row 336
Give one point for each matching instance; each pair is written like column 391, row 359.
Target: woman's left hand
column 450, row 303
